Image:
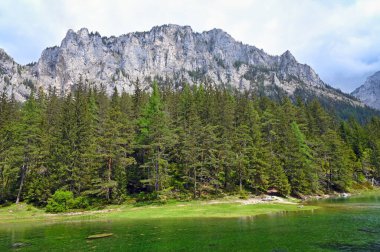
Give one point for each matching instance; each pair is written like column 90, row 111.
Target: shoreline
column 229, row 206
column 334, row 195
column 218, row 208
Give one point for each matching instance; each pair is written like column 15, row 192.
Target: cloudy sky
column 340, row 39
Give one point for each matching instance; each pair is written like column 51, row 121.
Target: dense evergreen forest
column 198, row 142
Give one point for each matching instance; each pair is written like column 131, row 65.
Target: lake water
column 351, row 224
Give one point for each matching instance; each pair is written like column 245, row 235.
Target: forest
column 196, row 141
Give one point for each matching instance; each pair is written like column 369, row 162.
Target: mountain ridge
column 369, row 92
column 168, row 54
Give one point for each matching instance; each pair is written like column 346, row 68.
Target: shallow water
column 350, row 224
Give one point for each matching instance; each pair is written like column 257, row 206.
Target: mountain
column 14, row 78
column 369, row 92
column 169, row 54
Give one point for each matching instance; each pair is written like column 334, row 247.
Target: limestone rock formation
column 369, row 92
column 169, row 54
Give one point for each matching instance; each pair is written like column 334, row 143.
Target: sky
column 339, row 39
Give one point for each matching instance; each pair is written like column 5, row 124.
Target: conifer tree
column 9, row 120
column 188, row 147
column 28, row 144
column 197, row 140
column 155, row 138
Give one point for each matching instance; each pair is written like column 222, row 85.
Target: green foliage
column 151, row 198
column 237, row 64
column 80, row 203
column 155, row 138
column 61, row 201
column 29, row 83
column 198, row 141
column 196, row 75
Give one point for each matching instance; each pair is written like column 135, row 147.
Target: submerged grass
column 194, row 209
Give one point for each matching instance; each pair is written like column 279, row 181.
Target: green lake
column 344, row 224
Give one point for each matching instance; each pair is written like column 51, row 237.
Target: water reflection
column 349, row 224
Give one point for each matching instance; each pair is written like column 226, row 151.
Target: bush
column 80, row 203
column 243, row 194
column 150, row 198
column 61, row 201
column 6, row 204
column 147, row 197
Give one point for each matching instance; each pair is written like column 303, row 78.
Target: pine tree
column 155, row 139
column 187, row 148
column 199, row 140
column 114, row 138
column 226, row 121
column 242, row 144
column 277, row 178
column 28, row 144
column 208, row 163
column 303, row 177
column 338, row 162
column 9, row 120
column 75, row 153
column 38, row 186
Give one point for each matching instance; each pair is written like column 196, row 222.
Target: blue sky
column 340, row 39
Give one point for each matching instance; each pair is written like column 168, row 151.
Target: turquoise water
column 351, row 224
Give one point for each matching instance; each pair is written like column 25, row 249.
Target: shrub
column 144, row 198
column 80, row 203
column 147, row 197
column 243, row 194
column 6, row 204
column 61, row 201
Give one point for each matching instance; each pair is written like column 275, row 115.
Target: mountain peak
column 288, row 55
column 171, row 27
column 83, row 32
column 376, row 75
column 170, row 54
column 217, row 31
column 70, row 32
column 369, row 92
column 4, row 56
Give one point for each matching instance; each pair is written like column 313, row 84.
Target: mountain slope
column 369, row 92
column 14, row 78
column 169, row 54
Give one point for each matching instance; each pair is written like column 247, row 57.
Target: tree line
column 194, row 142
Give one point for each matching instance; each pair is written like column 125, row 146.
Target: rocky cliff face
column 369, row 92
column 169, row 54
column 14, row 78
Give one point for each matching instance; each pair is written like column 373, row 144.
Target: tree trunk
column 201, row 178
column 329, row 170
column 240, row 183
column 225, row 185
column 195, row 182
column 156, row 184
column 108, row 195
column 23, row 173
column 330, row 179
column 240, row 175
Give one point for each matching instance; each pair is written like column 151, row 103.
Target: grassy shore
column 224, row 208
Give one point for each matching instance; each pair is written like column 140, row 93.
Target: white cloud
column 339, row 39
